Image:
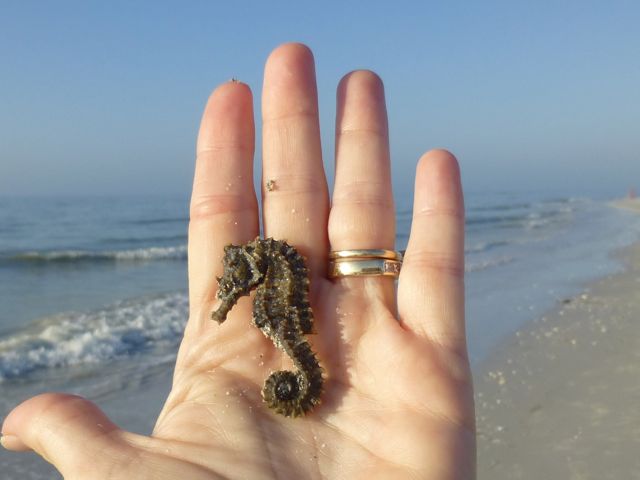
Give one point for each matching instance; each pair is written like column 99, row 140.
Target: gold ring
column 365, row 267
column 364, row 253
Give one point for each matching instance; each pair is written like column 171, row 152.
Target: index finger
column 223, row 208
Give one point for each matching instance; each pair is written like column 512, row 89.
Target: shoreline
column 627, row 204
column 561, row 397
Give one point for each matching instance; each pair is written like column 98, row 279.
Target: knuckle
column 441, row 262
column 206, row 207
column 455, row 213
column 289, row 118
column 215, row 151
column 362, row 133
column 368, row 193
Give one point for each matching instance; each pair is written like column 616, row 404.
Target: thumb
column 66, row 430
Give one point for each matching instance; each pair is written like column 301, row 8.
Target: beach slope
column 561, row 399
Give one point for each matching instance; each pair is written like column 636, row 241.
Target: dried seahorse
column 281, row 310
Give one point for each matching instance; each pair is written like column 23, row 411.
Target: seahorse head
column 243, row 270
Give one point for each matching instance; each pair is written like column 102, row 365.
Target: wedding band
column 365, row 267
column 365, row 253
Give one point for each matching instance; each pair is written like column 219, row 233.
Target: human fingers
column 223, row 208
column 431, row 284
column 68, row 431
column 294, row 187
column 362, row 211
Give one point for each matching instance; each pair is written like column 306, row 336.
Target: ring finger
column 362, row 213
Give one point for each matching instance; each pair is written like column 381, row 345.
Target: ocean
column 93, row 295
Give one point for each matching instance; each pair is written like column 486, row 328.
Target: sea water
column 93, row 290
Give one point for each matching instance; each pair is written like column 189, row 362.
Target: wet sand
column 628, row 204
column 561, row 398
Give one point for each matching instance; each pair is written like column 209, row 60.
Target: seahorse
column 281, row 310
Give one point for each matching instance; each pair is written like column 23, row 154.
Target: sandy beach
column 561, row 398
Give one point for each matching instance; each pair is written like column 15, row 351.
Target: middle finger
column 294, row 187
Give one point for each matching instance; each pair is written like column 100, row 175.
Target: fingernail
column 11, row 442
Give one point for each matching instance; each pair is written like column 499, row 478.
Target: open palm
column 397, row 399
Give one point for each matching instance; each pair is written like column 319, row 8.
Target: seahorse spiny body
column 281, row 310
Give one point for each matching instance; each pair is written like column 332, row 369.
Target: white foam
column 125, row 329
column 138, row 254
column 487, row 263
column 484, row 246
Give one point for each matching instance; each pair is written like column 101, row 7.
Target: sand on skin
column 561, row 399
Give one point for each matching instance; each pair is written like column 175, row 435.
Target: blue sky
column 105, row 97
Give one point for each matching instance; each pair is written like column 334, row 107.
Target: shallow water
column 85, row 281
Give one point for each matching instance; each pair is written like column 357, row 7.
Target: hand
column 398, row 398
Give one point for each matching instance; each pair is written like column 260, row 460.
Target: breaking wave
column 122, row 330
column 77, row 256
